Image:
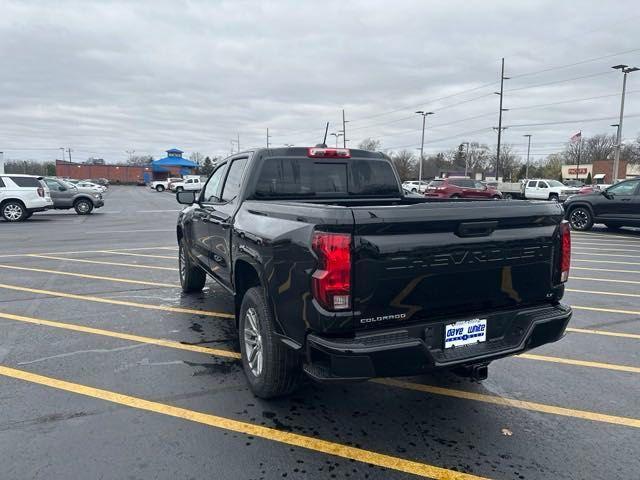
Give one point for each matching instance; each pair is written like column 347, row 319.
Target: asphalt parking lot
column 108, row 371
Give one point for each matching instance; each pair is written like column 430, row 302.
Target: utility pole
column 466, row 158
column 526, row 171
column 238, row 142
column 344, row 130
column 625, row 69
column 69, row 151
column 424, row 121
column 1, row 162
column 579, row 155
column 501, row 94
column 268, row 137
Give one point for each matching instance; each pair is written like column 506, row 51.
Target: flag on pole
column 576, row 137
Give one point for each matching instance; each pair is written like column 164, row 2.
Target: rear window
column 26, row 181
column 292, row 177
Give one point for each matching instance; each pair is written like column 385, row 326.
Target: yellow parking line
column 602, row 254
column 606, row 280
column 511, row 402
column 606, row 310
column 111, row 301
column 596, row 292
column 113, row 252
column 122, row 336
column 603, row 332
column 604, row 261
column 604, row 270
column 280, row 436
column 92, row 277
column 582, row 363
column 87, row 251
column 581, row 247
column 99, row 262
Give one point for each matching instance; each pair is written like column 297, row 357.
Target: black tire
column 508, row 196
column 13, row 211
column 580, row 219
column 83, row 206
column 554, row 197
column 613, row 226
column 159, row 188
column 455, row 195
column 192, row 277
column 280, row 368
column 179, row 189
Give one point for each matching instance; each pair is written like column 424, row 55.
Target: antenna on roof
column 324, row 141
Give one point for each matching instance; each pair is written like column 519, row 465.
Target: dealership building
column 601, row 171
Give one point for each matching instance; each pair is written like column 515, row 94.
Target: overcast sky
column 106, row 77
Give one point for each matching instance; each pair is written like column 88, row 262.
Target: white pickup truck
column 537, row 189
column 188, row 183
column 162, row 185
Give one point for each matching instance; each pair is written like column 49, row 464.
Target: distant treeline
column 30, row 167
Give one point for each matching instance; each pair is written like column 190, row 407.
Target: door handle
column 223, row 222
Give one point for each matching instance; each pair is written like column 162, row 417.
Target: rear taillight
column 41, row 192
column 565, row 251
column 317, row 152
column 331, row 283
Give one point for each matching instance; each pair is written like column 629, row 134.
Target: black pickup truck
column 338, row 274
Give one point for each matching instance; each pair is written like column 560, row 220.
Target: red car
column 460, row 188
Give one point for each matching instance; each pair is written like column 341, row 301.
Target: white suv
column 415, row 186
column 21, row 196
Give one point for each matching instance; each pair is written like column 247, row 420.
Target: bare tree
column 370, row 144
column 197, row 157
column 140, row 159
column 509, row 162
column 405, row 163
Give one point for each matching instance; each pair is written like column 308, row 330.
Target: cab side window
column 625, row 188
column 234, row 179
column 532, row 184
column 212, row 189
column 543, row 185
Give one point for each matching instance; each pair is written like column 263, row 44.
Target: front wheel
column 271, row 368
column 179, row 189
column 192, row 277
column 580, row 218
column 83, row 207
column 554, row 198
column 13, row 211
column 159, row 188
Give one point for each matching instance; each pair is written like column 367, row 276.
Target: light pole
column 466, row 158
column 625, row 69
column 337, row 135
column 526, row 170
column 424, row 121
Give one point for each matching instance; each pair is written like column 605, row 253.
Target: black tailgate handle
column 476, row 229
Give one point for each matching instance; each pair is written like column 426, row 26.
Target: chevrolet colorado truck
column 337, row 274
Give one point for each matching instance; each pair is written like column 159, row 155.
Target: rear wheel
column 83, row 206
column 272, row 369
column 159, row 188
column 455, row 195
column 13, row 211
column 192, row 277
column 580, row 218
column 508, row 196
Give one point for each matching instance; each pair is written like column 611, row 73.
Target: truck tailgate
column 450, row 259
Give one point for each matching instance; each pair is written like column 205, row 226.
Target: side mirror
column 187, row 197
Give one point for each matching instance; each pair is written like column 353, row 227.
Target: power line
column 581, row 62
column 571, row 101
column 563, row 122
column 559, row 81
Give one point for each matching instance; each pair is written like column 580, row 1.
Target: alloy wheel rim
column 182, row 265
column 253, row 342
column 13, row 212
column 83, row 206
column 579, row 219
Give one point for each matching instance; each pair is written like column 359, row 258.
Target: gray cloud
column 105, row 77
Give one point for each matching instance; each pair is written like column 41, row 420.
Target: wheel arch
column 575, row 205
column 245, row 276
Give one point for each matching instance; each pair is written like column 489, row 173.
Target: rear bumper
column 416, row 349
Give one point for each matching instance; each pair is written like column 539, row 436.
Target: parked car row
column 178, row 184
column 23, row 195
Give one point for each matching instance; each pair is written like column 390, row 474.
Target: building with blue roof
column 172, row 165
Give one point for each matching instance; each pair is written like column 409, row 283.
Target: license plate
column 466, row 332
